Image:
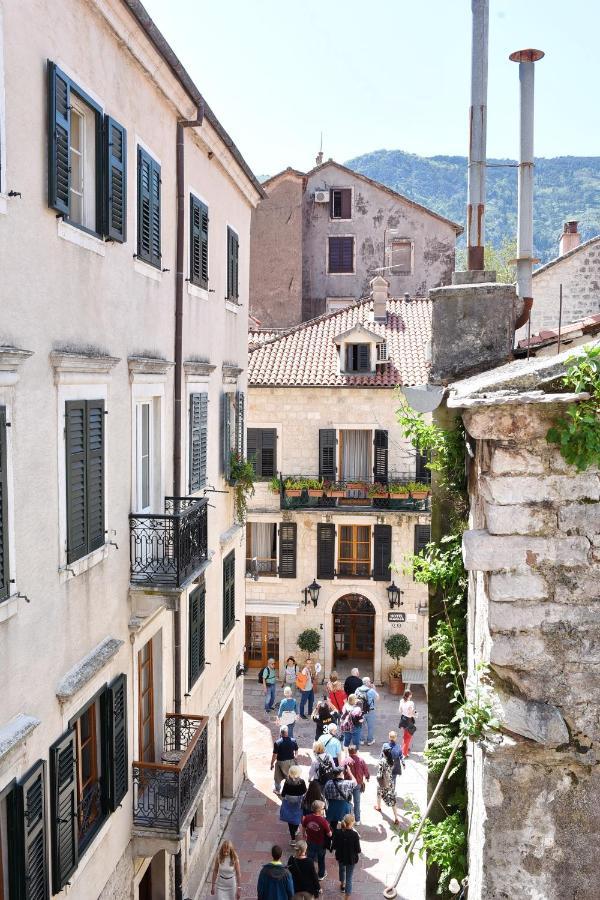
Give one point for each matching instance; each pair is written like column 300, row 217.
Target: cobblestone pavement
column 254, row 825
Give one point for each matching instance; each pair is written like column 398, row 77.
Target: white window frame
column 9, row 606
column 276, row 523
column 89, row 199
column 140, row 405
column 145, row 389
column 338, row 428
column 337, row 218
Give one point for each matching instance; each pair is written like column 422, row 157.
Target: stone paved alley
column 254, row 825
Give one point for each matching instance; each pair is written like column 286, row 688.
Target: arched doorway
column 353, row 632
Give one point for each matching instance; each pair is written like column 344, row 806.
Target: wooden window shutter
column 254, row 449
column 63, row 796
column 346, row 203
column 422, row 537
column 115, row 174
column 4, row 561
column 26, row 821
column 228, row 593
column 325, row 550
column 287, row 550
column 422, row 470
column 95, row 466
column 75, row 439
column 380, row 456
column 198, row 440
column 149, row 182
column 232, row 264
column 334, row 254
column 327, row 453
column 226, row 434
column 59, row 139
column 268, row 456
column 240, row 427
column 198, row 242
column 382, row 552
column 363, row 357
column 196, row 641
column 117, row 729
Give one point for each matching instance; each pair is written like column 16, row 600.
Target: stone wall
column 533, row 553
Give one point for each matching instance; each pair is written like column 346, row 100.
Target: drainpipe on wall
column 477, row 135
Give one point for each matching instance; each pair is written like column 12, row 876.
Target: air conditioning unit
column 321, row 196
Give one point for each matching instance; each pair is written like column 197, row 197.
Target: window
column 4, row 565
column 196, row 635
column 143, row 442
column 341, row 255
column 87, row 160
column 358, row 357
column 422, row 470
column 146, row 703
column 354, row 551
column 262, row 451
column 148, row 211
column 340, row 203
column 356, row 454
column 84, row 436
column 325, row 550
column 233, row 251
column 382, row 552
column 261, row 548
column 228, row 593
column 89, row 773
column 233, row 428
column 422, row 537
column 401, row 257
column 198, row 440
column 198, row 242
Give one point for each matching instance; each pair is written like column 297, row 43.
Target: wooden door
column 262, row 641
column 145, row 704
column 353, row 628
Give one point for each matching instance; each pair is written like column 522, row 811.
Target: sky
column 384, row 74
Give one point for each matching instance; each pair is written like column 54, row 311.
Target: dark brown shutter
column 325, row 550
column 422, row 470
column 232, row 264
column 198, row 242
column 149, row 183
column 27, row 839
column 226, row 434
column 117, row 730
column 268, row 455
column 422, row 537
column 75, row 439
column 345, row 203
column 59, row 139
column 380, row 456
column 253, row 449
column 382, row 552
column 240, row 426
column 196, row 637
column 334, row 254
column 327, row 453
column 287, row 550
column 4, row 561
column 198, row 440
column 63, row 796
column 228, row 593
column 95, row 466
column 115, row 173
column 363, row 357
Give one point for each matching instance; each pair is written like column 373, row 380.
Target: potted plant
column 356, row 486
column 293, row 487
column 379, row 491
column 335, row 489
column 241, row 478
column 397, row 646
column 309, row 641
column 275, row 485
column 314, row 486
column 418, row 490
column 399, row 491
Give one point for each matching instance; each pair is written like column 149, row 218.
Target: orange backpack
column 301, row 681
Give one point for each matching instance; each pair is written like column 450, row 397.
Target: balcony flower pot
column 315, row 492
column 334, row 492
column 355, row 486
column 419, row 495
column 399, row 495
column 293, row 492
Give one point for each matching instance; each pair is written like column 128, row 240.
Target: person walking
column 292, row 794
column 269, row 680
column 284, row 754
column 322, row 717
column 332, row 745
column 274, row 880
column 369, row 697
column 336, row 693
column 338, row 792
column 386, row 784
column 393, row 745
column 303, row 872
column 288, row 711
column 361, row 774
column 346, row 844
column 290, row 673
column 226, row 877
column 313, row 793
column 352, row 682
column 317, row 834
column 304, row 683
column 322, row 767
column 351, row 721
column 408, row 714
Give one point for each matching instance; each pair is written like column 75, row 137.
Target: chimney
column 477, row 135
column 319, row 158
column 569, row 239
column 380, row 293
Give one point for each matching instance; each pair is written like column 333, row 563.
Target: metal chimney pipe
column 526, row 60
column 477, row 135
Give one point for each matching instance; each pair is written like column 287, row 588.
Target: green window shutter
column 198, row 242
column 75, row 439
column 28, row 844
column 115, row 175
column 327, row 448
column 63, row 797
column 325, row 550
column 117, row 731
column 422, row 470
column 59, row 139
column 148, row 245
column 422, row 537
column 382, row 552
column 240, row 427
column 253, row 449
column 232, row 265
column 226, row 434
column 95, row 466
column 380, row 456
column 4, row 563
column 363, row 357
column 268, row 456
column 287, row 550
column 228, row 593
column 197, row 638
column 198, row 440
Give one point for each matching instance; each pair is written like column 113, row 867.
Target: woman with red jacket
column 361, row 773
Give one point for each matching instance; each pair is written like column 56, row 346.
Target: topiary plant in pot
column 397, row 646
column 309, row 641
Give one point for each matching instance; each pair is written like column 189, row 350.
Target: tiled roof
column 549, row 336
column 258, row 336
column 307, row 356
column 566, row 255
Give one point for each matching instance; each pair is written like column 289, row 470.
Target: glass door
column 262, row 640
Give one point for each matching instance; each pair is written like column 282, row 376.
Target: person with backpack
column 346, row 844
column 288, row 710
column 268, row 678
column 369, row 696
column 332, row 745
column 394, row 747
column 351, row 721
column 322, row 767
column 303, row 872
column 304, row 683
column 361, row 773
column 386, row 787
column 274, row 880
column 317, row 834
column 338, row 792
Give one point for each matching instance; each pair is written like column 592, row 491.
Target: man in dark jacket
column 353, row 682
column 303, row 872
column 275, row 881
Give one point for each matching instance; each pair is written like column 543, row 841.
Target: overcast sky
column 386, row 74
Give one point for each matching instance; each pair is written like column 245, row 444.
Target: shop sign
column 396, row 617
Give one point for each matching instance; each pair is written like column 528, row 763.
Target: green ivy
column 577, row 431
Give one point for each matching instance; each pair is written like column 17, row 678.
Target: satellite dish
column 423, row 398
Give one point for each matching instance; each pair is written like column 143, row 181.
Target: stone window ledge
column 227, row 536
column 83, row 671
column 148, row 365
column 9, row 607
column 149, row 271
column 195, row 291
column 197, row 367
column 11, row 358
column 81, row 238
column 15, row 732
column 72, row 362
column 72, row 570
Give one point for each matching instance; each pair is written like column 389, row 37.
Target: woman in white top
column 290, row 673
column 226, row 873
column 408, row 714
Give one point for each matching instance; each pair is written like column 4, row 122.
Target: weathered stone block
column 571, row 588
column 483, row 552
column 580, row 518
column 516, row 586
column 520, row 462
column 520, row 519
column 520, row 424
column 540, row 722
column 518, row 651
column 530, row 489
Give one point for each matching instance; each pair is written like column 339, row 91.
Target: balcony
column 400, row 492
column 165, row 793
column 166, row 550
column 260, row 568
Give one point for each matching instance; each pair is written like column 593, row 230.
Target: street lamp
column 394, row 593
column 312, row 590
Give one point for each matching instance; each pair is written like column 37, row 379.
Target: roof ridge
column 569, row 253
column 314, row 321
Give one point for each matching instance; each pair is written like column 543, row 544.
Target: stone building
column 318, row 239
column 121, row 586
column 322, row 404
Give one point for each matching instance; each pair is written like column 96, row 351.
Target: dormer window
column 358, row 357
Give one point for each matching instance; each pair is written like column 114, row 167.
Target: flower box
column 332, row 492
column 315, row 492
column 293, row 492
column 419, row 495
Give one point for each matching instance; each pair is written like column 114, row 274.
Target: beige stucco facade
column 98, row 323
column 297, row 414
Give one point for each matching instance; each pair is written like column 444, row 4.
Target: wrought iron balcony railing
column 168, row 549
column 398, row 492
column 164, row 793
column 257, row 566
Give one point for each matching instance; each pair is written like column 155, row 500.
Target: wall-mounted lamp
column 394, row 594
column 312, row 593
column 422, row 609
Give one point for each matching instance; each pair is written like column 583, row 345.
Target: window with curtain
column 354, row 551
column 261, row 548
column 356, row 455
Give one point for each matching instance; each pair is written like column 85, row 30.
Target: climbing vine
column 577, row 431
column 242, row 478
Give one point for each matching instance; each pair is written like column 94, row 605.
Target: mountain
column 566, row 187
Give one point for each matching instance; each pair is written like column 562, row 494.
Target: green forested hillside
column 566, row 187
